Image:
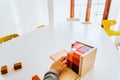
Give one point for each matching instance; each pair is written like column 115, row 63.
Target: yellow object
column 107, row 24
column 40, row 26
column 8, row 37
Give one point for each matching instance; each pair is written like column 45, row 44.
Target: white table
column 34, row 48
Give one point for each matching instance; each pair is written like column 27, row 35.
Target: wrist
column 54, row 71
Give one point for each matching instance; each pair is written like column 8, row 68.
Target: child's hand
column 59, row 65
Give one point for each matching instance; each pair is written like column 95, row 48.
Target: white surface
column 34, row 48
column 21, row 16
column 61, row 10
column 114, row 9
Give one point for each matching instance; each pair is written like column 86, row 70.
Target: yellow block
column 8, row 37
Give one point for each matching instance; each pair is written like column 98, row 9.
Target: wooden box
column 83, row 58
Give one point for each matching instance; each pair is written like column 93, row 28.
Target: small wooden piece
column 17, row 66
column 58, row 55
column 4, row 69
column 35, row 77
column 72, row 19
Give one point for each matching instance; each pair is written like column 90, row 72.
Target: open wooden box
column 81, row 58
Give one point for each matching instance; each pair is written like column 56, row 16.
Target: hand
column 59, row 65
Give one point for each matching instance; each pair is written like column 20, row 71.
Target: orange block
column 76, row 61
column 4, row 69
column 69, row 56
column 76, row 57
column 77, row 54
column 35, row 77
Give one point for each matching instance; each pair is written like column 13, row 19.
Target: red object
column 78, row 46
column 35, row 77
column 76, row 61
column 69, row 56
column 69, row 64
column 77, row 54
column 76, row 57
column 75, row 43
column 70, row 59
column 82, row 50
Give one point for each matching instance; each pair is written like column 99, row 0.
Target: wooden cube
column 78, row 46
column 74, row 44
column 4, row 69
column 69, row 64
column 86, row 59
column 17, row 66
column 82, row 50
column 76, row 60
column 75, row 68
column 77, row 54
column 35, row 77
column 69, row 56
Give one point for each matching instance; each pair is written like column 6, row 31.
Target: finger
column 64, row 61
column 64, row 66
column 62, row 58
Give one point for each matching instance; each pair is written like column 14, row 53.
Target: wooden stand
column 87, row 22
column 72, row 19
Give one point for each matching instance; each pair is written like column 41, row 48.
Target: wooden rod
column 71, row 8
column 106, row 9
column 88, row 10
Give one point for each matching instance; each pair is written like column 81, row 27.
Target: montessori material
column 4, row 69
column 81, row 57
column 36, row 77
column 17, row 66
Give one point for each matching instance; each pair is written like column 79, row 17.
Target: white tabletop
column 34, row 48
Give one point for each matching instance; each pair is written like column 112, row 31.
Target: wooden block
column 78, row 46
column 69, row 64
column 69, row 56
column 17, row 66
column 35, row 77
column 76, row 61
column 4, row 69
column 75, row 68
column 74, row 44
column 58, row 55
column 82, row 50
column 76, row 57
column 80, row 42
column 77, row 54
